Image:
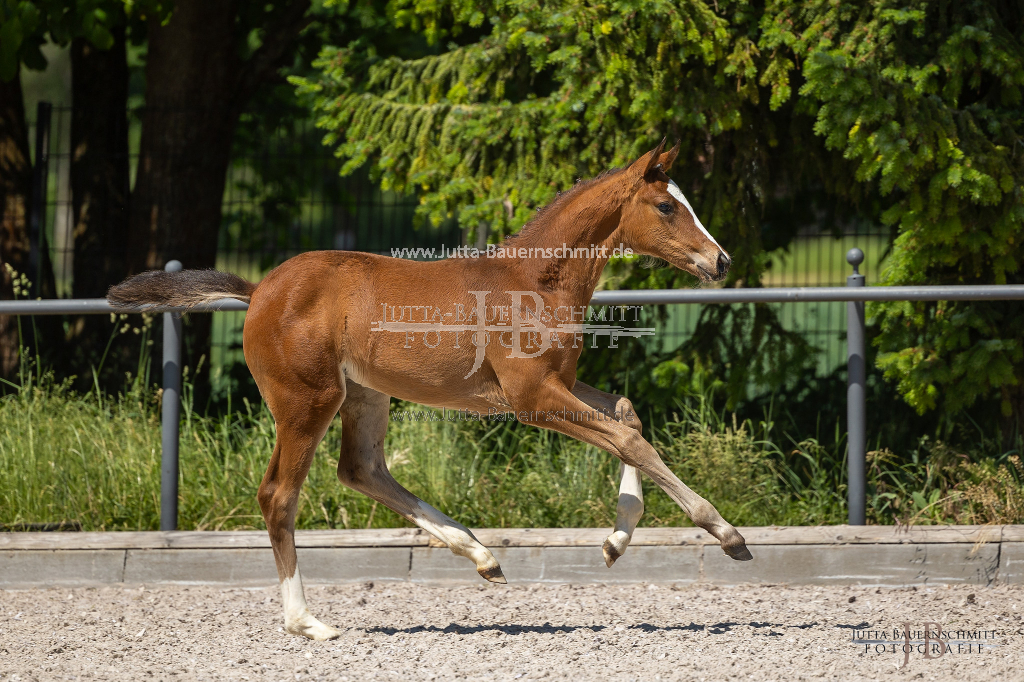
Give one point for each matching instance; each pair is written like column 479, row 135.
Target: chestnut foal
column 310, row 342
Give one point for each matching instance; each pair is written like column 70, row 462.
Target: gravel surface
column 401, row 631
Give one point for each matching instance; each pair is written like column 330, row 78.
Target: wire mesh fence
column 284, row 195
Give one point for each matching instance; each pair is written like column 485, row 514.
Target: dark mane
column 540, row 218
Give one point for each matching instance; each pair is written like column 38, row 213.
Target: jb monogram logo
column 527, row 327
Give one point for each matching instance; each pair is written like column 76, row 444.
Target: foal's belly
column 421, row 382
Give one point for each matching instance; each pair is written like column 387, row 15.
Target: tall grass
column 95, row 459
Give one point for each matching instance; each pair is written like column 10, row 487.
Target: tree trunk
column 192, row 68
column 197, row 86
column 99, row 189
column 15, row 188
column 192, row 72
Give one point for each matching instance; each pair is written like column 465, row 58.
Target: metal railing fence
column 855, row 293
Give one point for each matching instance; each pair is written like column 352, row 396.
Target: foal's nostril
column 723, row 263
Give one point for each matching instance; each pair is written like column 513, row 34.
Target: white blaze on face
column 677, row 193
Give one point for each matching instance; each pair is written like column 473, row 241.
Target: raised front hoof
column 311, row 628
column 739, row 553
column 736, row 548
column 614, row 546
column 492, row 574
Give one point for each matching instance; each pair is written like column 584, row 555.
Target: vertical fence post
column 170, row 416
column 856, row 374
column 37, row 216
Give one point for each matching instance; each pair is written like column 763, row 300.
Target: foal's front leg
column 577, row 419
column 627, row 514
column 630, row 505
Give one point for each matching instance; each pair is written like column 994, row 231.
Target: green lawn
column 821, row 262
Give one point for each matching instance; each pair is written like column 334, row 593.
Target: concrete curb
column 872, row 555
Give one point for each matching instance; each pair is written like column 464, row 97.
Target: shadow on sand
column 549, row 629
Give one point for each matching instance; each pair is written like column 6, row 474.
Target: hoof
column 492, row 574
column 739, row 553
column 736, row 547
column 311, row 628
column 614, row 546
column 610, row 553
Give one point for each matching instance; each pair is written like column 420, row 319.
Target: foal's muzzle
column 723, row 264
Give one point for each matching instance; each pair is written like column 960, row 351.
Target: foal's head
column 658, row 220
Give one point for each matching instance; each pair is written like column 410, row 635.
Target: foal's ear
column 648, row 161
column 669, row 157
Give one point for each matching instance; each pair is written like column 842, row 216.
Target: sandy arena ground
column 399, row 631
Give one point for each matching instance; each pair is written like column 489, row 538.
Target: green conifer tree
column 790, row 114
column 924, row 99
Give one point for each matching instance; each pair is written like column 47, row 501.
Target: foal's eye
column 665, row 208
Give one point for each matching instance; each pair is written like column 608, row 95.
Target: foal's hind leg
column 630, row 506
column 361, row 466
column 302, row 416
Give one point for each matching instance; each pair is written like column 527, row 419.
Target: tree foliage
column 791, row 114
column 491, row 129
column 25, row 25
column 528, row 97
column 924, row 100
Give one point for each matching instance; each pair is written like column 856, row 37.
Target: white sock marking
column 295, row 608
column 448, row 531
column 297, row 618
column 677, row 193
column 631, row 501
column 453, row 534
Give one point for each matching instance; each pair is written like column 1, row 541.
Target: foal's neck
column 584, row 229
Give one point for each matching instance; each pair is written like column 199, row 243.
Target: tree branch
column 278, row 36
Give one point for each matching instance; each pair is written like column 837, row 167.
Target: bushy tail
column 183, row 289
